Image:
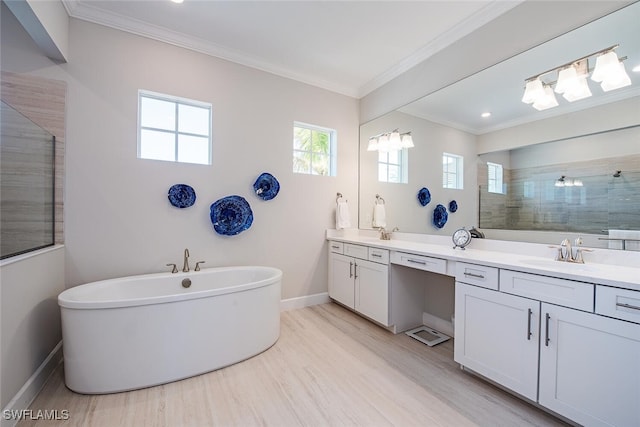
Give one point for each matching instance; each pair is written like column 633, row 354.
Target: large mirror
column 551, row 172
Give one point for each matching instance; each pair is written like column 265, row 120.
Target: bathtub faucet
column 185, row 267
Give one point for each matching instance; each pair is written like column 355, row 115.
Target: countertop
column 627, row 277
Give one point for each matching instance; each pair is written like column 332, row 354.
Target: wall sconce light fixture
column 390, row 141
column 572, row 82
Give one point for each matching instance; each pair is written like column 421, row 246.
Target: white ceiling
column 350, row 47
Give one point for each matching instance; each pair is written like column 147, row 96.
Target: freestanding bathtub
column 139, row 331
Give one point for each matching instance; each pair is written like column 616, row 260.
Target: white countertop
column 525, row 258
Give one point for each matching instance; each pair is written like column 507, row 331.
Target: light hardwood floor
column 330, row 367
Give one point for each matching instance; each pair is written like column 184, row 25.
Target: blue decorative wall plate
column 266, row 186
column 440, row 216
column 231, row 215
column 453, row 206
column 424, row 196
column 182, row 195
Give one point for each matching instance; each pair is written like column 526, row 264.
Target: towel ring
column 338, row 197
column 379, row 200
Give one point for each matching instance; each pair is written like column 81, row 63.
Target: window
column 314, row 150
column 494, row 173
column 452, row 171
column 173, row 129
column 392, row 166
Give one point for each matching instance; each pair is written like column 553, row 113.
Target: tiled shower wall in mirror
column 534, row 200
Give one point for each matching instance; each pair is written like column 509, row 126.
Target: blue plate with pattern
column 231, row 215
column 266, row 186
column 440, row 216
column 182, row 195
column 424, row 196
column 453, row 206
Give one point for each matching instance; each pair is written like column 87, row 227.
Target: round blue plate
column 453, row 206
column 440, row 216
column 182, row 195
column 266, row 186
column 424, row 196
column 231, row 215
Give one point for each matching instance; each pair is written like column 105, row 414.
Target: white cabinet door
column 590, row 367
column 372, row 290
column 341, row 279
column 497, row 336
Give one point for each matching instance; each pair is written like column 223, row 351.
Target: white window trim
column 178, row 100
column 499, row 182
column 333, row 146
column 459, row 174
column 404, row 167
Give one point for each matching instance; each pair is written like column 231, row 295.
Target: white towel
column 629, row 245
column 379, row 216
column 343, row 219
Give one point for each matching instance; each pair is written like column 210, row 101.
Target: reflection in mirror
column 594, row 137
column 588, row 184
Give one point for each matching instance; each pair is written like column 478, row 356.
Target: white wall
column 30, row 316
column 117, row 218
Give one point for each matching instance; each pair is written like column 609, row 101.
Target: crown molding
column 84, row 10
column 462, row 29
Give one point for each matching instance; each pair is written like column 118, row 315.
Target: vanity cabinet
column 589, row 367
column 497, row 337
column 570, row 359
column 359, row 279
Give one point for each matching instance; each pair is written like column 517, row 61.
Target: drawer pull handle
column 478, row 276
column 350, row 270
column 415, row 261
column 633, row 307
column 377, row 255
column 335, row 247
column 529, row 333
column 546, row 330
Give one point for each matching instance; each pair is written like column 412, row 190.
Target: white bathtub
column 139, row 331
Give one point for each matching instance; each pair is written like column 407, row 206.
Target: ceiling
column 499, row 89
column 349, row 47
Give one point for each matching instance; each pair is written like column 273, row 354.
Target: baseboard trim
column 438, row 324
column 26, row 395
column 305, row 301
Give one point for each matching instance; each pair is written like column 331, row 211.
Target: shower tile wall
column 533, row 202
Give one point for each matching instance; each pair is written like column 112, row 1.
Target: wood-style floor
column 330, row 367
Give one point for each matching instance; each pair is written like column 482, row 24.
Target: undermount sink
column 557, row 264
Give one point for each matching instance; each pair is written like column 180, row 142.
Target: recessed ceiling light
column 485, row 114
column 636, row 69
column 177, row 1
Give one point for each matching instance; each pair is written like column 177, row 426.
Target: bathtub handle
column 174, row 269
column 198, row 265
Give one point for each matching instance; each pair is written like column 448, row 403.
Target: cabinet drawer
column 379, row 255
column 420, row 262
column 356, row 251
column 619, row 303
column 336, row 247
column 479, row 275
column 568, row 293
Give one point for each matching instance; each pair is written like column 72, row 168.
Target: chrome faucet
column 565, row 251
column 185, row 266
column 386, row 235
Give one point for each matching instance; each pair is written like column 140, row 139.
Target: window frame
column 332, row 154
column 403, row 166
column 458, row 171
column 176, row 132
column 498, row 181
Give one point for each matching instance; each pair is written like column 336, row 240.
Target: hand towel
column 343, row 219
column 629, row 245
column 379, row 216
